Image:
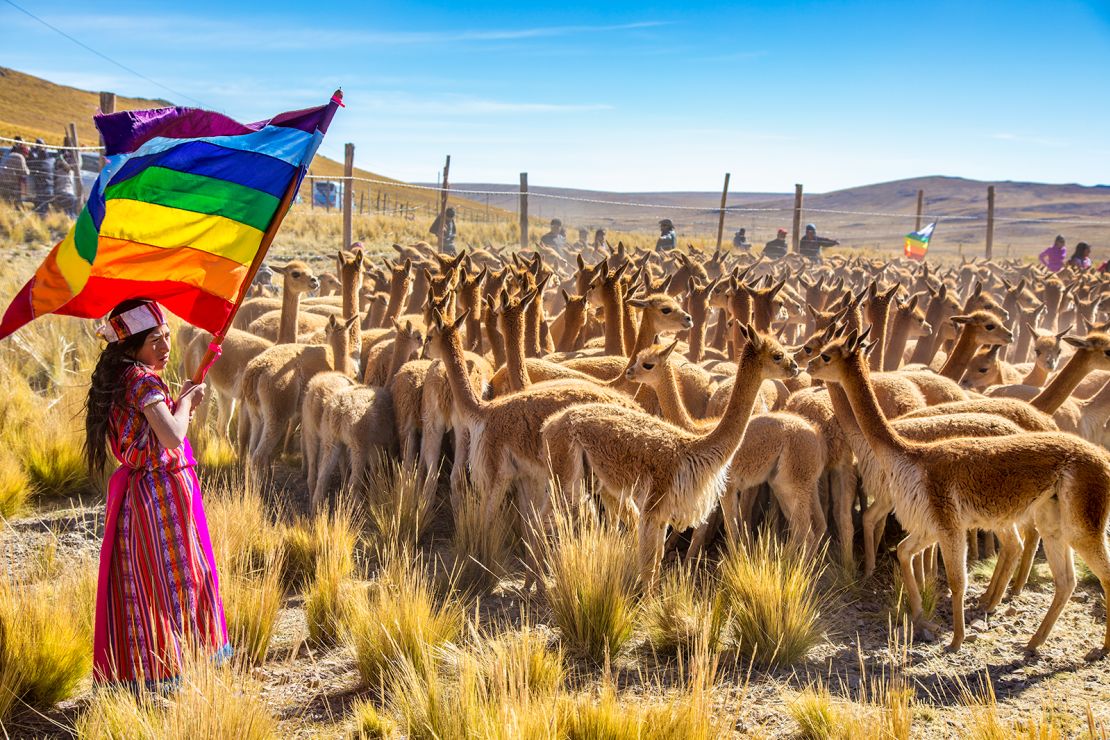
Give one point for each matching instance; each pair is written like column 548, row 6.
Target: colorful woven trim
column 138, row 319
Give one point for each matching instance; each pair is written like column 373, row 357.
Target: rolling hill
column 1028, row 215
column 32, row 107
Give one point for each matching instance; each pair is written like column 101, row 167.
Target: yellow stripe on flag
column 73, row 267
column 161, row 226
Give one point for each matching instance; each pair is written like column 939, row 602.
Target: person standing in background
column 447, row 245
column 810, row 245
column 41, row 166
column 776, row 248
column 668, row 239
column 1055, row 256
column 65, row 192
column 14, row 172
column 1081, row 258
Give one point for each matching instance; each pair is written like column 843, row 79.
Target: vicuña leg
column 954, row 547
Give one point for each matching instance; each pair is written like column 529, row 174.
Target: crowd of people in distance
column 1056, row 258
column 810, row 245
column 47, row 179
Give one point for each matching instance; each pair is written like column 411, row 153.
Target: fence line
column 33, row 145
column 707, row 209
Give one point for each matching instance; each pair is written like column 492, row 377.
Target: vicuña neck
column 879, row 315
column 517, row 373
column 1037, row 376
column 896, row 342
column 720, row 333
column 961, row 354
column 670, row 401
column 290, row 310
column 926, row 347
column 725, row 437
column 868, row 414
column 466, row 400
column 1063, row 383
column 341, row 352
column 611, row 303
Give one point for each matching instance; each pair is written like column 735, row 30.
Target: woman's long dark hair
column 106, row 388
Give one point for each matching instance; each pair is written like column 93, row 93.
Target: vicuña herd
column 712, row 393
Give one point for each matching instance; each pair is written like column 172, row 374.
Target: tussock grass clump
column 397, row 512
column 483, row 549
column 328, row 595
column 686, row 611
column 210, row 701
column 45, row 634
column 1045, row 723
column 594, row 594
column 772, row 594
column 370, row 724
column 15, row 485
column 251, row 605
column 401, row 620
column 817, row 715
column 930, row 589
column 521, row 663
column 53, row 462
column 299, row 545
column 249, row 555
column 244, row 535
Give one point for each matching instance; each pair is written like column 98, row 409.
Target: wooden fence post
column 796, row 235
column 348, row 193
column 361, row 202
column 721, row 220
column 443, row 202
column 80, row 187
column 920, row 207
column 523, row 210
column 990, row 221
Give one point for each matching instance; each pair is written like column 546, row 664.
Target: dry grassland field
column 401, row 605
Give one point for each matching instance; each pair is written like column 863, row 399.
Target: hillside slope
column 875, row 216
column 32, row 107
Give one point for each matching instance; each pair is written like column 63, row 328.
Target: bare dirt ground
column 310, row 691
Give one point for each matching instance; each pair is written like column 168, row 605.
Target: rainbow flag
column 177, row 215
column 917, row 242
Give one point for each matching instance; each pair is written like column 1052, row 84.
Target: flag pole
column 213, row 351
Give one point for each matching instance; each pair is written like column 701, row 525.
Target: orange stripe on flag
column 124, row 260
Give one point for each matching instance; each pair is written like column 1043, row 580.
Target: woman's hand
column 192, row 394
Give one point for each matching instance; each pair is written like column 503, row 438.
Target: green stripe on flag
column 85, row 236
column 199, row 194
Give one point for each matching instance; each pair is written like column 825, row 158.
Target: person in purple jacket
column 1055, row 256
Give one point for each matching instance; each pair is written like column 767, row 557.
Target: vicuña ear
column 1077, row 342
column 461, row 320
column 1061, row 334
column 669, row 349
column 530, row 296
column 960, row 320
column 504, row 299
column 437, row 319
column 352, row 321
column 637, row 302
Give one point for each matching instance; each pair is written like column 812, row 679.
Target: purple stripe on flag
column 127, row 130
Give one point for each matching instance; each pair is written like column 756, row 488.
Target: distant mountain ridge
column 1027, row 214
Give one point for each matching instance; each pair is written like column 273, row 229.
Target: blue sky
column 628, row 96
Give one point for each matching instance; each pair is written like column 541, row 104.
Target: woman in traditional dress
column 158, row 595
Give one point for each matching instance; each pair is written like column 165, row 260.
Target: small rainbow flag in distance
column 917, row 242
column 178, row 214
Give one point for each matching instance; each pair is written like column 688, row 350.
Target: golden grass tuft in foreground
column 687, row 610
column 401, row 619
column 326, row 599
column 985, row 723
column 209, row 701
column 45, row 634
column 15, row 485
column 772, row 593
column 483, row 549
column 371, row 724
column 397, row 513
column 593, row 592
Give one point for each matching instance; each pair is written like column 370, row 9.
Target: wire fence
column 1019, row 229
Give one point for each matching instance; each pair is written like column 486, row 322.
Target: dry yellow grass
column 45, row 634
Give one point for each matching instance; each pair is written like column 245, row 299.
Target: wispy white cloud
column 1022, row 139
column 186, row 30
column 450, row 104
